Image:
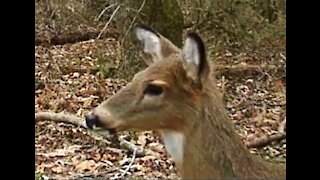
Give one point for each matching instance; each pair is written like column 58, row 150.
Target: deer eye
column 153, row 90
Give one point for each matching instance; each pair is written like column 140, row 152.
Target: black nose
column 91, row 120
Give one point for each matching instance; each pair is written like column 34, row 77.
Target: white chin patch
column 173, row 142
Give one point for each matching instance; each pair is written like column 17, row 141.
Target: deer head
column 159, row 96
column 176, row 95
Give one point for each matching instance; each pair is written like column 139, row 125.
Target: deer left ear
column 194, row 59
column 150, row 42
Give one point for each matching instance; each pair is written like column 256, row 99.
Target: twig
column 266, row 140
column 131, row 147
column 73, row 37
column 132, row 22
column 282, row 126
column 60, row 117
column 241, row 67
column 223, row 86
column 71, row 119
column 132, row 9
column 102, row 12
column 107, row 24
column 132, row 160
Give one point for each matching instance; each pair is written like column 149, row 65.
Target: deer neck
column 209, row 147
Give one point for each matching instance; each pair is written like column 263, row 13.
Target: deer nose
column 91, row 120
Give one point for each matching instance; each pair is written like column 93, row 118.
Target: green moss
column 40, row 176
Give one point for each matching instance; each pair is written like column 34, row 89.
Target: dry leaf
column 142, row 140
column 157, row 147
column 258, row 119
column 148, row 157
column 78, row 158
column 59, row 169
column 88, row 165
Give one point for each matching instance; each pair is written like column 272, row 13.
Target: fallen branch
column 71, row 119
column 266, row 140
column 113, row 137
column 65, row 38
column 60, row 117
column 226, row 69
column 124, row 144
column 131, row 148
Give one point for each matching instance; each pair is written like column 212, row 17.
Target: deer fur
column 177, row 96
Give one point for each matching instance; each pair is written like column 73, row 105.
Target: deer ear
column 194, row 59
column 150, row 43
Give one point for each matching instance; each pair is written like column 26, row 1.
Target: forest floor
column 69, row 79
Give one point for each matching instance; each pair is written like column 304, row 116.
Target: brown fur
column 212, row 148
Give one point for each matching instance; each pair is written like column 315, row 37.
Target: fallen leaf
column 88, row 165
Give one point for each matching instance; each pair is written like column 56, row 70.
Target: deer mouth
column 93, row 122
column 101, row 118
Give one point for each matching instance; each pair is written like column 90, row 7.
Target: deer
column 177, row 96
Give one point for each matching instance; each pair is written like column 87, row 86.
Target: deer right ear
column 150, row 43
column 194, row 59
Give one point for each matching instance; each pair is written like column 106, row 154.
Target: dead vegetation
column 75, row 77
column 256, row 104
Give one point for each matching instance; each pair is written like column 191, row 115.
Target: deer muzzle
column 97, row 120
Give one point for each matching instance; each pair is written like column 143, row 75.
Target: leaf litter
column 65, row 81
